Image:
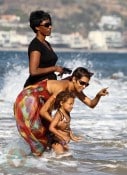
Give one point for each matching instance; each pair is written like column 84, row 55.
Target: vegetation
column 68, row 15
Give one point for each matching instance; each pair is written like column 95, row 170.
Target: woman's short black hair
column 36, row 17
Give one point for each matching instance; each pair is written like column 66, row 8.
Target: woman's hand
column 59, row 69
column 103, row 92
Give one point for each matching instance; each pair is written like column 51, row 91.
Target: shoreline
column 61, row 49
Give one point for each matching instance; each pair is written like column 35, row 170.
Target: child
column 62, row 133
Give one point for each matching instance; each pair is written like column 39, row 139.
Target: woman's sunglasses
column 83, row 83
column 46, row 24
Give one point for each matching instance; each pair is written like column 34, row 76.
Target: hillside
column 68, row 15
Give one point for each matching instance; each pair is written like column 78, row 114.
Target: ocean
column 103, row 149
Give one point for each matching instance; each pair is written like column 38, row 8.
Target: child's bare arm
column 53, row 127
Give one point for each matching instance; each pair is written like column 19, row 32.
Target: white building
column 97, row 40
column 105, row 39
column 9, row 18
column 12, row 39
column 77, row 41
column 110, row 22
column 4, row 38
column 74, row 40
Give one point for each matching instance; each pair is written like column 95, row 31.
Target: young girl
column 62, row 133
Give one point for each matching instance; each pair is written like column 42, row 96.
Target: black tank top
column 48, row 58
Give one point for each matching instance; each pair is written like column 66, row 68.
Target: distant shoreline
column 56, row 49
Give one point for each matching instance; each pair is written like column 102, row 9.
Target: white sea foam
column 103, row 128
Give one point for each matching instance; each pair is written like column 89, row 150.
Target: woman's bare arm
column 53, row 87
column 92, row 102
column 46, row 108
column 54, row 130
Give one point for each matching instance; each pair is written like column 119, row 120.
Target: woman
column 32, row 112
column 42, row 58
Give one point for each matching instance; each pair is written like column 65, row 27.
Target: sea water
column 103, row 149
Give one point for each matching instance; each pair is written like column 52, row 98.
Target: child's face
column 68, row 105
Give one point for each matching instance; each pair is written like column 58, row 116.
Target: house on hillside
column 9, row 18
column 12, row 39
column 105, row 39
column 110, row 22
column 97, row 40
